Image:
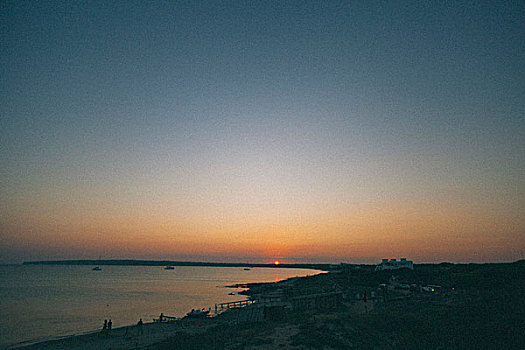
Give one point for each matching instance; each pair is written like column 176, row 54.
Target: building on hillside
column 394, row 264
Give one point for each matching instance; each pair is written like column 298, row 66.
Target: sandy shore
column 126, row 337
column 129, row 337
column 478, row 306
column 155, row 335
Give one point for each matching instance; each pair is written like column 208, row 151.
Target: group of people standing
column 107, row 325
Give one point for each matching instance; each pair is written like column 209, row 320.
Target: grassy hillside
column 480, row 306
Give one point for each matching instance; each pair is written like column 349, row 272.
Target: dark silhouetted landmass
column 469, row 306
column 324, row 267
column 476, row 306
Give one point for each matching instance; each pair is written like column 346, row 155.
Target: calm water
column 42, row 302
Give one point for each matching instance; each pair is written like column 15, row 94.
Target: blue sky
column 290, row 123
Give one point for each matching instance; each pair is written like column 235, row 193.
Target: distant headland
column 324, row 267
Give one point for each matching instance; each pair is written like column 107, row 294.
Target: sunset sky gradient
column 304, row 131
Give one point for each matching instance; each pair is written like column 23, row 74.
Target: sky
column 308, row 131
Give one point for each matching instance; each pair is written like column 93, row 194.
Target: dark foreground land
column 443, row 306
column 478, row 306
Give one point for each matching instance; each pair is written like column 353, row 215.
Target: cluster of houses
column 394, row 264
column 403, row 263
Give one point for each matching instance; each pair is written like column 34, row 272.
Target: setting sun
column 276, row 262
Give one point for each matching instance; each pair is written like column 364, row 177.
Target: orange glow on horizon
column 420, row 231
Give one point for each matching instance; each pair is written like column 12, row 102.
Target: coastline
column 128, row 337
column 470, row 306
column 55, row 301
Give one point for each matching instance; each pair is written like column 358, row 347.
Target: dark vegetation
column 221, row 336
column 479, row 306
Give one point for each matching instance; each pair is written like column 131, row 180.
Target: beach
column 130, row 337
column 470, row 307
column 47, row 302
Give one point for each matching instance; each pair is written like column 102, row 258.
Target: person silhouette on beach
column 139, row 324
column 104, row 328
column 110, row 324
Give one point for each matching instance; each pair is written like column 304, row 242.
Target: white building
column 394, row 264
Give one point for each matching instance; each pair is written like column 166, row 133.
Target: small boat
column 247, row 269
column 198, row 313
column 169, row 268
column 232, row 293
column 96, row 268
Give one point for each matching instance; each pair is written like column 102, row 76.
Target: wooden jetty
column 267, row 302
column 233, row 305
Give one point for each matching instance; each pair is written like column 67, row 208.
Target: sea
column 44, row 302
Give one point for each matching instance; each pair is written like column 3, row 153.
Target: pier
column 266, row 302
column 233, row 305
